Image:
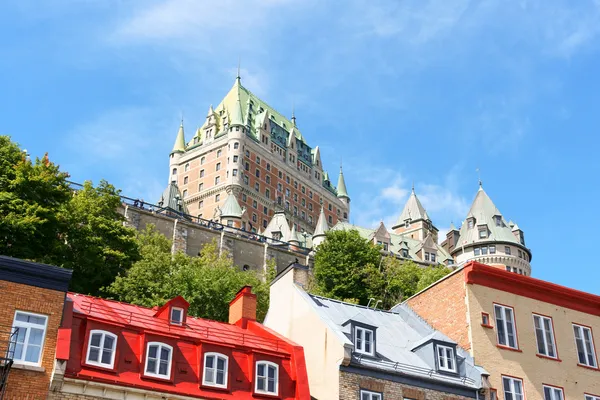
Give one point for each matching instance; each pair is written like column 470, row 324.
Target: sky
column 400, row 91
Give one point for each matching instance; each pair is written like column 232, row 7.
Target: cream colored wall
column 500, row 258
column 291, row 315
column 534, row 370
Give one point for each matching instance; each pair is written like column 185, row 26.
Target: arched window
column 101, row 348
column 215, row 370
column 267, row 378
column 158, row 360
column 187, row 167
column 174, row 171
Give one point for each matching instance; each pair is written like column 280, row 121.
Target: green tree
column 431, row 275
column 208, row 282
column 31, row 195
column 342, row 263
column 98, row 246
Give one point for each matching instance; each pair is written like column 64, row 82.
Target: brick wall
column 350, row 385
column 444, row 307
column 29, row 384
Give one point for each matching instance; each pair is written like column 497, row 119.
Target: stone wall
column 351, row 384
column 190, row 237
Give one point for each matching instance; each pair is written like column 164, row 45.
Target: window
column 268, row 193
column 470, row 223
column 254, row 217
column 505, row 324
column 498, row 220
column 219, row 152
column 544, row 334
column 591, row 397
column 187, row 167
column 235, row 159
column 215, row 370
column 218, row 167
column 432, row 257
column 485, row 319
column 520, row 254
column 176, row 315
column 254, row 204
column 330, row 219
column 185, row 193
column 482, row 233
column 268, row 179
column 200, row 186
column 248, row 153
column 158, row 360
column 185, row 180
column 477, row 251
column 201, row 173
column 30, row 337
column 368, row 395
column 234, row 172
column 513, row 388
column 484, row 251
column 201, row 204
column 236, row 145
column 257, row 173
column 217, row 180
column 257, row 187
column 363, row 341
column 217, row 198
column 493, row 249
column 258, row 160
column 585, row 345
column 553, row 393
column 330, row 208
column 244, row 197
column 174, row 171
column 202, row 160
column 446, row 361
column 426, row 256
column 101, row 349
column 267, row 377
column 507, row 250
column 268, row 167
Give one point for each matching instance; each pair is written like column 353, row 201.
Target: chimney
column 243, row 306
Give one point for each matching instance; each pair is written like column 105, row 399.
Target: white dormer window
column 407, row 223
column 498, row 220
column 471, row 223
column 432, row 257
column 101, row 349
column 364, row 341
column 404, row 253
column 446, row 359
column 426, row 256
column 176, row 315
column 483, row 233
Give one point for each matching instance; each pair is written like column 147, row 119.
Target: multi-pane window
column 446, row 361
column 513, row 388
column 31, row 331
column 215, row 370
column 553, row 393
column 507, row 250
column 544, row 334
column 477, row 251
column 369, row 395
column 585, row 345
column 591, row 397
column 505, row 325
column 176, row 315
column 363, row 341
column 158, row 360
column 101, row 349
column 267, row 377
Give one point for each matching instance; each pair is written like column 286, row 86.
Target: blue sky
column 403, row 91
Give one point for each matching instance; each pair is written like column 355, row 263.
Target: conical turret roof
column 341, row 185
column 413, row 210
column 322, row 226
column 237, row 116
column 179, row 146
column 231, row 208
column 293, row 235
column 171, row 199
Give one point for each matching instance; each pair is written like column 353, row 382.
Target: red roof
column 126, row 314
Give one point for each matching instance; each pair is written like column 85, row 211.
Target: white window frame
column 175, row 322
column 101, row 349
column 556, row 393
column 361, row 348
column 28, row 326
column 591, row 351
column 372, row 395
column 504, row 324
column 512, row 392
column 267, row 364
column 591, row 397
column 159, row 350
column 444, row 357
column 547, row 335
column 205, row 382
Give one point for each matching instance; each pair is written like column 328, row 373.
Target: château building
column 248, row 161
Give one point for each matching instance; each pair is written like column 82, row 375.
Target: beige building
column 248, row 150
column 536, row 339
column 357, row 352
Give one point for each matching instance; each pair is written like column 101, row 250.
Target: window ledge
column 487, row 326
column 26, row 367
column 509, row 348
column 549, row 358
column 588, row 367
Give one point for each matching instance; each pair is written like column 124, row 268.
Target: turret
column 293, row 239
column 414, row 220
column 176, row 153
column 343, row 193
column 320, row 230
column 231, row 213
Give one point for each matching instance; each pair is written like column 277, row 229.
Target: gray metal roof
column 172, row 199
column 413, row 210
column 398, row 333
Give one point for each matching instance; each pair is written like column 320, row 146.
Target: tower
column 320, row 230
column 342, row 194
column 414, row 222
column 176, row 153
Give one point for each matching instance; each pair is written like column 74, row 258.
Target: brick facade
column 351, row 384
column 32, row 383
column 444, row 307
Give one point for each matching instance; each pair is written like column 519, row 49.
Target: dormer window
column 483, row 233
column 364, row 341
column 470, row 223
column 407, row 223
column 498, row 220
column 446, row 360
column 176, row 316
column 432, row 257
column 404, row 253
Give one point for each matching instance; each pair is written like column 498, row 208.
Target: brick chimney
column 243, row 306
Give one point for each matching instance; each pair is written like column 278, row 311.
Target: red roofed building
column 116, row 350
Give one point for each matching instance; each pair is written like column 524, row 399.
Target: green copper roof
column 341, row 186
column 171, row 199
column 237, row 115
column 231, row 208
column 179, row 146
column 322, row 226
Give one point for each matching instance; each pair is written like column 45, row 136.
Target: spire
column 179, row 146
column 237, row 117
column 211, row 111
column 452, row 227
column 293, row 114
column 341, row 185
column 294, row 236
column 413, row 210
column 322, row 226
column 231, row 207
column 238, row 78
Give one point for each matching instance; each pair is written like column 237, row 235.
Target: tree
column 342, row 263
column 31, row 196
column 431, row 275
column 208, row 282
column 98, row 246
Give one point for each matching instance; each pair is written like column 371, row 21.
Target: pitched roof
column 231, row 207
column 341, row 185
column 397, row 333
column 278, row 223
column 293, row 238
column 413, row 210
column 171, row 199
column 322, row 225
column 179, row 145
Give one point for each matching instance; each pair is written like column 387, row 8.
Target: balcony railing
column 8, row 341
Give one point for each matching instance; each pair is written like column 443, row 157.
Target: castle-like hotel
column 249, row 167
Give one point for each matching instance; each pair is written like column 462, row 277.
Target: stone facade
column 351, row 384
